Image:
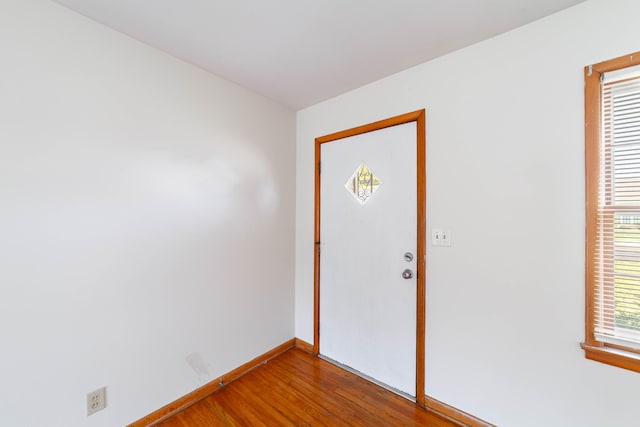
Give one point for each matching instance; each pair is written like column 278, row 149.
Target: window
column 612, row 148
column 362, row 184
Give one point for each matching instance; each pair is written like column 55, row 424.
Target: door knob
column 407, row 274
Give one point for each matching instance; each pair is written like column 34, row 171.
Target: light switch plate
column 440, row 237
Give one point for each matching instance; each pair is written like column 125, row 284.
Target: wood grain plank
column 298, row 389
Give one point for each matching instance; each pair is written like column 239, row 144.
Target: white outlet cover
column 96, row 400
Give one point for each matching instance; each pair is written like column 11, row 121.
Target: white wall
column 505, row 304
column 146, row 214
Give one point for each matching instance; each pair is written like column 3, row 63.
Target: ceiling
column 300, row 52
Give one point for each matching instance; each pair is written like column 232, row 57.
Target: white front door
column 368, row 235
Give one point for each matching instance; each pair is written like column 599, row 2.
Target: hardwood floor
column 297, row 389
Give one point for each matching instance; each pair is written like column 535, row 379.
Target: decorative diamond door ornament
column 362, row 184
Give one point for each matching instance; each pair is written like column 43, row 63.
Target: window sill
column 612, row 356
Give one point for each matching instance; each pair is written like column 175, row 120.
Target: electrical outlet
column 96, row 400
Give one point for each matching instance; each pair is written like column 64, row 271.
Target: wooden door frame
column 419, row 118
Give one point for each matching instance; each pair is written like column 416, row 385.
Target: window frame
column 611, row 354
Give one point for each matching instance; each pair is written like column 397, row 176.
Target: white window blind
column 617, row 257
